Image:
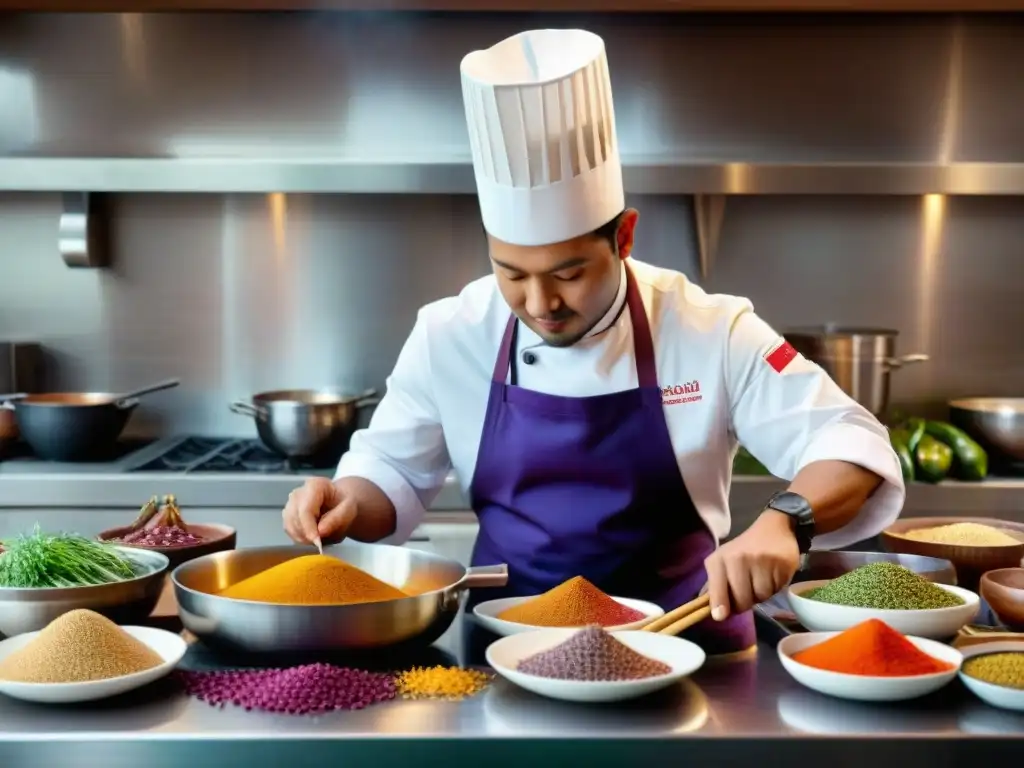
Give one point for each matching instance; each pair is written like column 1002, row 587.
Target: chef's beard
column 571, row 335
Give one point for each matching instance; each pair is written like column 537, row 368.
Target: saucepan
column 77, row 426
column 859, row 360
column 436, row 585
column 306, row 424
column 8, row 423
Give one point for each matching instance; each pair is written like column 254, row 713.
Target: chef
column 591, row 404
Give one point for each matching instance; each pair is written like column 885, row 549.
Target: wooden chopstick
column 683, row 617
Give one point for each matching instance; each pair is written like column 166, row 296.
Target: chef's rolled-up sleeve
column 794, row 416
column 403, row 450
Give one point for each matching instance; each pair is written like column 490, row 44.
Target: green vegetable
column 746, row 464
column 971, row 460
column 61, row 560
column 915, row 431
column 900, row 443
column 933, row 459
column 884, row 585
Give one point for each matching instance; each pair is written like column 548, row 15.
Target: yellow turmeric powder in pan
column 313, row 580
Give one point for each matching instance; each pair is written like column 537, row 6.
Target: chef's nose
column 541, row 301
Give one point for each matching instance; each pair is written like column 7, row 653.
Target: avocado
column 933, row 459
column 971, row 461
column 900, row 443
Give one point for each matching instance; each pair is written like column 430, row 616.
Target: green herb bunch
column 61, row 560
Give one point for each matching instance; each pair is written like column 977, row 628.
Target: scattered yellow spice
column 452, row 683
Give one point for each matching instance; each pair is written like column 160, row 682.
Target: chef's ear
column 624, row 233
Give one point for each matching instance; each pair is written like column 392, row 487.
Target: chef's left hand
column 753, row 566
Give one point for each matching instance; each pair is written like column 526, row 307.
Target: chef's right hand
column 318, row 509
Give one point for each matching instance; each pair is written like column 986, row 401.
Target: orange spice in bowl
column 873, row 649
column 573, row 603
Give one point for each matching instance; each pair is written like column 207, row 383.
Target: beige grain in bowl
column 970, row 560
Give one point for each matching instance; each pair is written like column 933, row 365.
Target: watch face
column 795, row 505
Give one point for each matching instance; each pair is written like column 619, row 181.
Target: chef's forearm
column 836, row 491
column 375, row 517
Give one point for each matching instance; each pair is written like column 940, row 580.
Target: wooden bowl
column 970, row 562
column 1003, row 590
column 216, row 538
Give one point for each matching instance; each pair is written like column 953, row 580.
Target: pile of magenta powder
column 592, row 655
column 162, row 536
column 308, row 689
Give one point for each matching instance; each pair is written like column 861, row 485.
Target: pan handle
column 367, row 398
column 248, row 409
column 484, row 576
column 898, row 362
column 7, row 401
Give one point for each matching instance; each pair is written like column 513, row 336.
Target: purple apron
column 590, row 487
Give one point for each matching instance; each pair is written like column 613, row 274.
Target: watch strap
column 800, row 513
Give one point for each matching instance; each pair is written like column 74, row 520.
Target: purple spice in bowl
column 592, row 655
column 307, row 689
column 161, row 536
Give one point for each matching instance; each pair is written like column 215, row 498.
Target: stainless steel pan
column 78, row 426
column 251, row 627
column 314, row 425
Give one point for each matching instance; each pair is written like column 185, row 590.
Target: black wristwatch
column 800, row 515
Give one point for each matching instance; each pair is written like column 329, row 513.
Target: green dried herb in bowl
column 886, row 586
column 45, row 560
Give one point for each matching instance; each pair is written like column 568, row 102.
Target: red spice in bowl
column 873, row 649
column 574, row 603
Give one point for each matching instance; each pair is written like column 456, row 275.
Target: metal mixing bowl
column 829, row 565
column 124, row 602
column 997, row 423
column 436, row 583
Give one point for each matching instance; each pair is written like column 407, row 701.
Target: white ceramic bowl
column 934, row 623
column 487, row 614
column 683, row 657
column 995, row 695
column 169, row 646
column 864, row 687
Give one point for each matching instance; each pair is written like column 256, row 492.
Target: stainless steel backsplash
column 238, row 294
column 241, row 293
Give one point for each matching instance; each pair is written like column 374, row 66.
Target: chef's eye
column 568, row 277
column 515, row 278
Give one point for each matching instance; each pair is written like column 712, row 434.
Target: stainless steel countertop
column 747, row 699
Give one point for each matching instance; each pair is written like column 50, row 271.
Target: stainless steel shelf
column 416, row 176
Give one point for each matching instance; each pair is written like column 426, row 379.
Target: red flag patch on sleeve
column 779, row 355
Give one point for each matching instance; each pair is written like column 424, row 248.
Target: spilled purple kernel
column 311, row 688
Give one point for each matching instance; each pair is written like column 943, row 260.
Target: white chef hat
column 542, row 133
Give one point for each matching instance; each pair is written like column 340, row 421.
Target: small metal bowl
column 216, row 538
column 833, row 564
column 124, row 602
column 997, row 423
column 435, row 585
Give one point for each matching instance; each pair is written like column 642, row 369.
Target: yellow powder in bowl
column 313, row 580
column 77, row 647
column 964, row 534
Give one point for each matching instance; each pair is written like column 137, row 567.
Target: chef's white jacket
column 718, row 391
